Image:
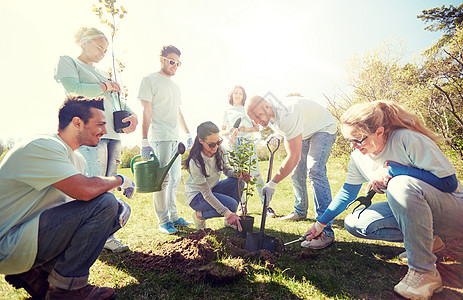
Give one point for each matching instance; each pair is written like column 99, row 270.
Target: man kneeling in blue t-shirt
column 54, row 221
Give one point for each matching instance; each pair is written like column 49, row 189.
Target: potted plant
column 243, row 161
column 119, row 103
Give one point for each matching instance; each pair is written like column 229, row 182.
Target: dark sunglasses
column 213, row 145
column 172, row 61
column 357, row 142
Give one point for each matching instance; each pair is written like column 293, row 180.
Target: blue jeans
column 314, row 156
column 226, row 191
column 165, row 205
column 413, row 213
column 71, row 237
column 103, row 159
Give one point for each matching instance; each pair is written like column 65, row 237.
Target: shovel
column 259, row 240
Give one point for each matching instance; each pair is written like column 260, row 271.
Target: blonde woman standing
column 79, row 76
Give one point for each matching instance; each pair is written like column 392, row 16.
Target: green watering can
column 148, row 175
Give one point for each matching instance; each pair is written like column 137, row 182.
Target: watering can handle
column 135, row 158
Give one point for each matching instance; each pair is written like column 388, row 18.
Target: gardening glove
column 127, row 185
column 269, row 190
column 146, row 149
column 189, row 141
column 124, row 212
column 273, row 139
column 314, row 231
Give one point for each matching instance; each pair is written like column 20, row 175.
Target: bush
column 128, row 154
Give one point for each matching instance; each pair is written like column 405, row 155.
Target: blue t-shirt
column 26, row 176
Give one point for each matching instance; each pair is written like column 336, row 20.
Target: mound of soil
column 195, row 257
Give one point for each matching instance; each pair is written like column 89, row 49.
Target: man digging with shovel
column 309, row 131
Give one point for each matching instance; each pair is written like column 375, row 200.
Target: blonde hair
column 367, row 117
column 85, row 34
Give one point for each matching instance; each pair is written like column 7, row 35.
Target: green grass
column 349, row 269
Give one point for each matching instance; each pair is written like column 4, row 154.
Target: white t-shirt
column 232, row 114
column 196, row 177
column 26, row 176
column 406, row 147
column 164, row 95
column 294, row 116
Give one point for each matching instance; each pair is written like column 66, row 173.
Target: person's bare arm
column 182, row 121
column 293, row 149
column 81, row 187
column 146, row 119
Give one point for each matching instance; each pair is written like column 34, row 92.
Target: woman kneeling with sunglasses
column 208, row 196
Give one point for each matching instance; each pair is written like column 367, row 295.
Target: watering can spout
column 164, row 170
column 148, row 175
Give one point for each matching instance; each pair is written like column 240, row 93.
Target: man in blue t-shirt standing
column 160, row 98
column 54, row 221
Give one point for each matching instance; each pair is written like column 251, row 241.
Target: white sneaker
column 114, row 245
column 292, row 217
column 318, row 243
column 199, row 224
column 437, row 246
column 418, row 285
column 226, row 224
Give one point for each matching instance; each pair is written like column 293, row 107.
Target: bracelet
column 106, row 87
column 121, row 178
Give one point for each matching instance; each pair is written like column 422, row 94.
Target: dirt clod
column 195, row 257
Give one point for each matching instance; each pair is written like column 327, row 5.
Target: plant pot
column 247, row 223
column 118, row 116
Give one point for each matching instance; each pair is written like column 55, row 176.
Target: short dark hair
column 77, row 106
column 170, row 49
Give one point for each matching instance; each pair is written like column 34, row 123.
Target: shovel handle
column 269, row 176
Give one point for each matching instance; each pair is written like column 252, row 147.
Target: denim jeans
column 314, row 156
column 103, row 159
column 256, row 172
column 226, row 191
column 413, row 213
column 71, row 237
column 165, row 200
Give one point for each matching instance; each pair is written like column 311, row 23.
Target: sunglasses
column 213, row 145
column 172, row 61
column 357, row 142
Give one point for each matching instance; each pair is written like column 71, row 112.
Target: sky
column 294, row 46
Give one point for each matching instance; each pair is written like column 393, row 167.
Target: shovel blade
column 256, row 242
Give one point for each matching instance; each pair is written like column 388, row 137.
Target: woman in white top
column 397, row 155
column 80, row 76
column 209, row 196
column 243, row 134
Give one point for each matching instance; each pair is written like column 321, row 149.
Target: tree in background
column 111, row 15
column 444, row 70
column 446, row 19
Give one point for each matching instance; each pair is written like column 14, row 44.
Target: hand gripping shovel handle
column 269, row 176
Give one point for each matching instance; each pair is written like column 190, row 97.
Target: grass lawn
column 349, row 269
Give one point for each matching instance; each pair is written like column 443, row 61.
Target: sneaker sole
column 416, row 297
column 118, row 249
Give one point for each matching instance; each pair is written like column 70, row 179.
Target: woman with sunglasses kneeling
column 398, row 156
column 209, row 197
